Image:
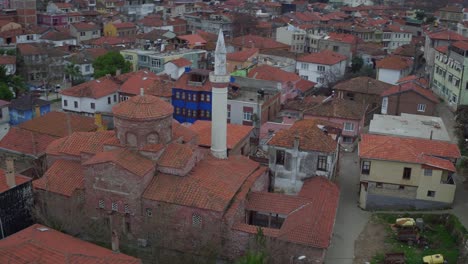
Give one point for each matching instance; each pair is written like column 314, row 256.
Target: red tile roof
column 124, row 25
column 143, row 107
column 211, row 185
column 176, row 156
column 193, row 39
column 463, row 45
column 85, row 26
column 311, row 137
column 270, row 73
column 126, row 159
column 363, row 84
column 4, row 103
column 5, row 59
column 28, row 49
column 243, row 55
column 63, row 5
column 325, row 57
column 337, row 107
column 253, row 41
column 93, row 89
column 181, row 62
column 394, row 63
column 446, row 35
column 414, row 78
column 413, row 87
column 182, row 132
column 44, row 244
column 80, row 142
column 156, row 85
column 318, row 197
column 346, row 38
column 20, row 179
column 304, row 85
column 63, row 177
column 235, row 133
column 411, row 150
column 111, row 41
column 184, row 82
column 25, row 142
column 442, row 49
column 59, row 124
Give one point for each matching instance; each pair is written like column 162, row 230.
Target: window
column 229, row 112
column 183, row 111
column 82, row 34
column 156, row 63
column 280, row 157
column 87, row 68
column 336, row 48
column 248, row 116
column 93, row 105
column 183, row 95
column 65, row 103
column 202, row 113
column 127, row 208
column 177, row 111
column 102, row 204
column 305, row 77
column 95, row 32
column 348, row 140
column 322, row 163
column 208, row 97
column 348, row 126
column 189, row 113
column 383, row 110
column 177, row 95
column 427, row 172
column 304, row 66
column 378, row 185
column 431, row 193
column 407, row 173
column 115, row 207
column 401, row 187
column 108, row 100
column 202, row 97
column 149, row 212
column 320, row 68
column 320, row 79
column 208, row 114
column 75, row 104
column 365, row 169
column 421, row 107
column 197, row 221
column 189, row 97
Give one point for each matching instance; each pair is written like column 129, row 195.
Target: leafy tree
column 420, row 15
column 12, row 81
column 5, row 93
column 109, row 63
column 257, row 255
column 430, row 19
column 74, row 74
column 356, row 64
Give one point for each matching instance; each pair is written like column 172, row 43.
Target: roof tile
column 63, row 177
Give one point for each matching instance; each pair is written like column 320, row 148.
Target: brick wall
column 160, row 128
column 408, row 103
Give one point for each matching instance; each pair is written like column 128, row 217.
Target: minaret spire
column 220, row 81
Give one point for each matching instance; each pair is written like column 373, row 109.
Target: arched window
column 152, row 138
column 131, row 139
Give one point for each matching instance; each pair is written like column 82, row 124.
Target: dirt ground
column 370, row 242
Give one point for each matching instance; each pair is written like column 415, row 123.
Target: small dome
column 143, row 107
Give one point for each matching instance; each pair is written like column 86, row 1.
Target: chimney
column 430, row 137
column 296, row 141
column 115, row 241
column 118, row 72
column 98, row 121
column 37, row 111
column 10, row 172
column 220, row 79
column 142, row 91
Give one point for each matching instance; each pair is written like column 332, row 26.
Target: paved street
column 350, row 220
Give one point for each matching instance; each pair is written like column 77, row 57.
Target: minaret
column 220, row 81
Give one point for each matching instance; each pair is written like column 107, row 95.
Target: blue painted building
column 24, row 108
column 191, row 96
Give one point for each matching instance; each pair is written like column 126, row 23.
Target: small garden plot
column 437, row 237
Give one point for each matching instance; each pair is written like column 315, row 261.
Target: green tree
column 73, row 73
column 109, row 63
column 430, row 19
column 5, row 93
column 356, row 64
column 420, row 15
column 18, row 85
column 257, row 254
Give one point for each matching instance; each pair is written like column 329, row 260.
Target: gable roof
column 318, row 197
column 394, row 63
column 270, row 73
column 126, row 159
column 78, row 142
column 193, row 39
column 258, row 42
column 25, row 142
column 363, row 84
column 411, row 87
column 235, row 133
column 176, row 156
column 39, row 242
column 310, row 135
column 59, row 124
column 93, row 89
column 325, row 57
column 211, row 185
column 411, row 150
column 81, row 26
column 180, row 62
column 63, row 177
column 5, row 59
column 446, row 35
column 27, row 102
column 333, row 107
column 19, row 179
column 242, row 55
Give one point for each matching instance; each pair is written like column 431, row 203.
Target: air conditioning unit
column 142, row 242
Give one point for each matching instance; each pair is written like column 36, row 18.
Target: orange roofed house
column 148, row 183
column 406, row 173
column 393, row 68
column 49, row 246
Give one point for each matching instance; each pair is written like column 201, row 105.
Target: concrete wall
column 388, row 76
column 383, row 202
column 84, row 104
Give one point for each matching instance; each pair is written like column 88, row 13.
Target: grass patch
column 440, row 240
